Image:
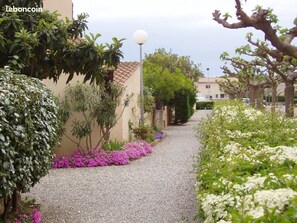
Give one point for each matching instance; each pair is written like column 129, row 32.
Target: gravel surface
column 154, row 189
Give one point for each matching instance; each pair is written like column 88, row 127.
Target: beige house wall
column 67, row 146
column 64, row 7
column 131, row 113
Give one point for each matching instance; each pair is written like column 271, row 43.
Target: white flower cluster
column 252, row 183
column 215, row 206
column 230, row 113
column 238, row 134
column 276, row 154
column 270, row 199
column 283, row 153
column 252, row 114
column 234, row 151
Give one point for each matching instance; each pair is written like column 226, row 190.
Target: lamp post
column 208, row 89
column 140, row 37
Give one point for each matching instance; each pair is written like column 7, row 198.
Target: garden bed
column 247, row 170
column 99, row 157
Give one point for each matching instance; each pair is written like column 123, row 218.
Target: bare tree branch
column 259, row 21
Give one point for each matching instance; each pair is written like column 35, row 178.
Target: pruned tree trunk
column 7, row 206
column 16, row 197
column 232, row 96
column 273, row 96
column 253, row 95
column 256, row 95
column 105, row 134
column 260, row 94
column 289, row 98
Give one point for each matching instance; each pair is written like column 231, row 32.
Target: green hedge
column 182, row 108
column 204, row 105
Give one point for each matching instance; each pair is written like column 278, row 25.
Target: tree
column 43, row 46
column 170, row 61
column 232, row 87
column 97, row 105
column 286, row 70
column 263, row 61
column 171, row 86
column 163, row 82
column 249, row 73
column 263, row 19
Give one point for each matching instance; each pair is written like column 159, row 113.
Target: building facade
column 209, row 89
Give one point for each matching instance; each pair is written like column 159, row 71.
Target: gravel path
column 155, row 189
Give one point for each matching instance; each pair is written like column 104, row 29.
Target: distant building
column 209, row 89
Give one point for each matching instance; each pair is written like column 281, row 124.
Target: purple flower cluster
column 98, row 157
column 34, row 218
column 118, row 158
column 137, row 149
column 158, row 135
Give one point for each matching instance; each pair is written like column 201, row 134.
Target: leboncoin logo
column 22, row 9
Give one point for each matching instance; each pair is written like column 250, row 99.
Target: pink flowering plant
column 35, row 217
column 28, row 212
column 99, row 157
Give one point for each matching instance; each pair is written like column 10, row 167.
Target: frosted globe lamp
column 140, row 36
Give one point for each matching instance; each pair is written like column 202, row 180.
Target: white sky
column 183, row 26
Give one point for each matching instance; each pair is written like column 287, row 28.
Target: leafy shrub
column 248, row 166
column 96, row 106
column 147, row 133
column 142, row 132
column 204, row 105
column 28, row 131
column 113, row 145
column 149, row 100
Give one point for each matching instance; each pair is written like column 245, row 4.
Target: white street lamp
column 140, row 37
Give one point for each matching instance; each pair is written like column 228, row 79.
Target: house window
column 222, row 95
column 217, row 95
column 207, row 86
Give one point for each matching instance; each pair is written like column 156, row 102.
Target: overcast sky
column 185, row 27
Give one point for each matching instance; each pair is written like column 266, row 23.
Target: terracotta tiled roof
column 124, row 71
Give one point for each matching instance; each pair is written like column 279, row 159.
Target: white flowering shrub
column 28, row 131
column 247, row 169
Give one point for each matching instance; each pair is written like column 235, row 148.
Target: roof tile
column 124, row 71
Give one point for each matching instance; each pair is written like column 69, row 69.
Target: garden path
column 154, row 189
